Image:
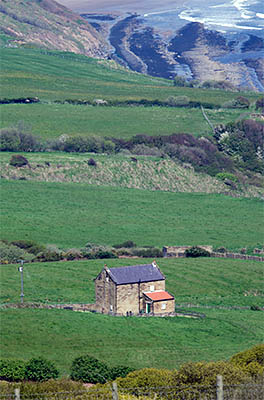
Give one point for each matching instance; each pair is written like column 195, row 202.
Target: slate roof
column 159, row 295
column 135, row 273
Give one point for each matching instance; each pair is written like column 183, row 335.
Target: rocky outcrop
column 45, row 23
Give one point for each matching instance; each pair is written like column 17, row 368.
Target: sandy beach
column 120, row 5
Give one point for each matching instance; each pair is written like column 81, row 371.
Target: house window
column 152, row 288
column 107, row 279
column 163, row 306
column 111, row 307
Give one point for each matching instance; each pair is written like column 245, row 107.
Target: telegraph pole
column 22, row 280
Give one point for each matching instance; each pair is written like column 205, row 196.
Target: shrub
column 40, row 369
column 18, row 161
column 51, row 253
column 17, row 138
column 179, row 81
column 12, row 370
column 72, row 254
column 250, row 361
column 196, row 251
column 146, row 379
column 205, row 373
column 10, row 254
column 88, row 369
column 143, row 150
column 179, row 101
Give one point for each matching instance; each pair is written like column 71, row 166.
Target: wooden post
column 17, row 394
column 114, row 391
column 219, row 388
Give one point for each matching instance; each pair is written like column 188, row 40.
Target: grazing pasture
column 62, row 335
column 70, row 215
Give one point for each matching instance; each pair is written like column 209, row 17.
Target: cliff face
column 45, row 23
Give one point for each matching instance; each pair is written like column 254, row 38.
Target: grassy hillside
column 60, row 76
column 70, row 215
column 151, row 173
column 155, row 342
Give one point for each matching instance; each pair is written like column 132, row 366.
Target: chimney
column 154, row 264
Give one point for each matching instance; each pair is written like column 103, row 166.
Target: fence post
column 17, row 394
column 219, row 388
column 114, row 391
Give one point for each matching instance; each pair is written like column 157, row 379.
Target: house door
column 147, row 308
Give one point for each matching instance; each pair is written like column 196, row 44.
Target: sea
column 227, row 17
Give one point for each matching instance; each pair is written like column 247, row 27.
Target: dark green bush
column 49, row 255
column 40, row 369
column 18, row 161
column 12, row 370
column 260, row 103
column 88, row 369
column 196, row 251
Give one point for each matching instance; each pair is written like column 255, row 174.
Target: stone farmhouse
column 133, row 290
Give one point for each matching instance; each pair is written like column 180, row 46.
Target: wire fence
column 219, row 391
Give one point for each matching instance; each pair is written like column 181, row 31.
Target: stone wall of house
column 169, row 307
column 130, row 296
column 105, row 293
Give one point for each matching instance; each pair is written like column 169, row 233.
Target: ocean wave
column 259, row 15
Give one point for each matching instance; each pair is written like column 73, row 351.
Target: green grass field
column 62, row 335
column 70, row 215
column 53, row 120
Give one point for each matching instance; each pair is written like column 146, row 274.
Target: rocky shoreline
column 192, row 52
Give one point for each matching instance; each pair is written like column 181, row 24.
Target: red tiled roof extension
column 158, row 296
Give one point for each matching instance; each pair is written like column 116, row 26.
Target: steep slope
column 45, row 23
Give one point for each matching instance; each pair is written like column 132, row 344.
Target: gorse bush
column 40, row 369
column 18, row 138
column 250, row 361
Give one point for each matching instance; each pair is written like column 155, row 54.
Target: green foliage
column 147, row 252
column 40, row 369
column 196, row 251
column 88, row 369
column 18, row 161
column 238, row 102
column 12, row 370
column 251, row 360
column 10, row 254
